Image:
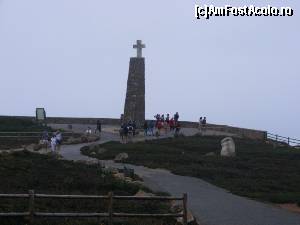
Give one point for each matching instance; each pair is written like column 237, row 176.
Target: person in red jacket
column 172, row 124
column 159, row 126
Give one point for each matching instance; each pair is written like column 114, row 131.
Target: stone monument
column 134, row 109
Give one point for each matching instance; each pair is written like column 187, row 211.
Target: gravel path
column 209, row 204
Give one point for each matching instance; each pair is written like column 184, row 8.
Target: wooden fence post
column 31, row 206
column 288, row 141
column 184, row 209
column 110, row 208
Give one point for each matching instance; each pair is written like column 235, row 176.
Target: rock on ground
column 210, row 154
column 120, row 157
column 228, row 147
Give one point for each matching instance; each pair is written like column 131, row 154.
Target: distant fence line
column 287, row 140
column 37, row 135
column 31, row 213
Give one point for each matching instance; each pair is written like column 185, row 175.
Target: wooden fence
column 110, row 214
column 277, row 138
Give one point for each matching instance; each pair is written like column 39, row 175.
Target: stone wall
column 241, row 132
column 71, row 120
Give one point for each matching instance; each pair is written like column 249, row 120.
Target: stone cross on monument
column 134, row 109
column 139, row 47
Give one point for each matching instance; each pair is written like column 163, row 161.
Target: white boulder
column 228, row 147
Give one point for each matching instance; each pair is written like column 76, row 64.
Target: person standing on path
column 99, row 127
column 162, row 117
column 172, row 124
column 168, row 118
column 53, row 143
column 59, row 139
column 146, row 128
column 176, row 117
column 45, row 139
column 166, row 127
column 125, row 133
column 151, row 128
column 134, row 127
column 159, row 127
column 204, row 124
column 200, row 124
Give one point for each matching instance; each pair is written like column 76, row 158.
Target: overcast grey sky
column 71, row 57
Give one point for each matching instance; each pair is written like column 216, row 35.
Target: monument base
column 134, row 109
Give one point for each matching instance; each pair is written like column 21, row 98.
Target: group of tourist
column 162, row 122
column 97, row 130
column 55, row 141
column 155, row 127
column 127, row 130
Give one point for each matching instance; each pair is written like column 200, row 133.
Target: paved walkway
column 209, row 204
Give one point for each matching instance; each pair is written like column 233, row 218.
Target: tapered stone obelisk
column 134, row 109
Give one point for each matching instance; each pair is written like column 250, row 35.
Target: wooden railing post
column 110, row 208
column 31, row 206
column 185, row 209
column 288, row 140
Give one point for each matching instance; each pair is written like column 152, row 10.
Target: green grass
column 22, row 171
column 258, row 171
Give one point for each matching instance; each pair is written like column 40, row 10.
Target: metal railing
column 110, row 215
column 280, row 139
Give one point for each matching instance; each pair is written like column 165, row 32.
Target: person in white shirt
column 200, row 123
column 88, row 131
column 53, row 143
column 59, row 138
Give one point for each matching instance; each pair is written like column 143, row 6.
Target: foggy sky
column 71, row 57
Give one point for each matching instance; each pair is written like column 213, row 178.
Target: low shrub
column 258, row 171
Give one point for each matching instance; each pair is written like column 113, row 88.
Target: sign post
column 40, row 115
